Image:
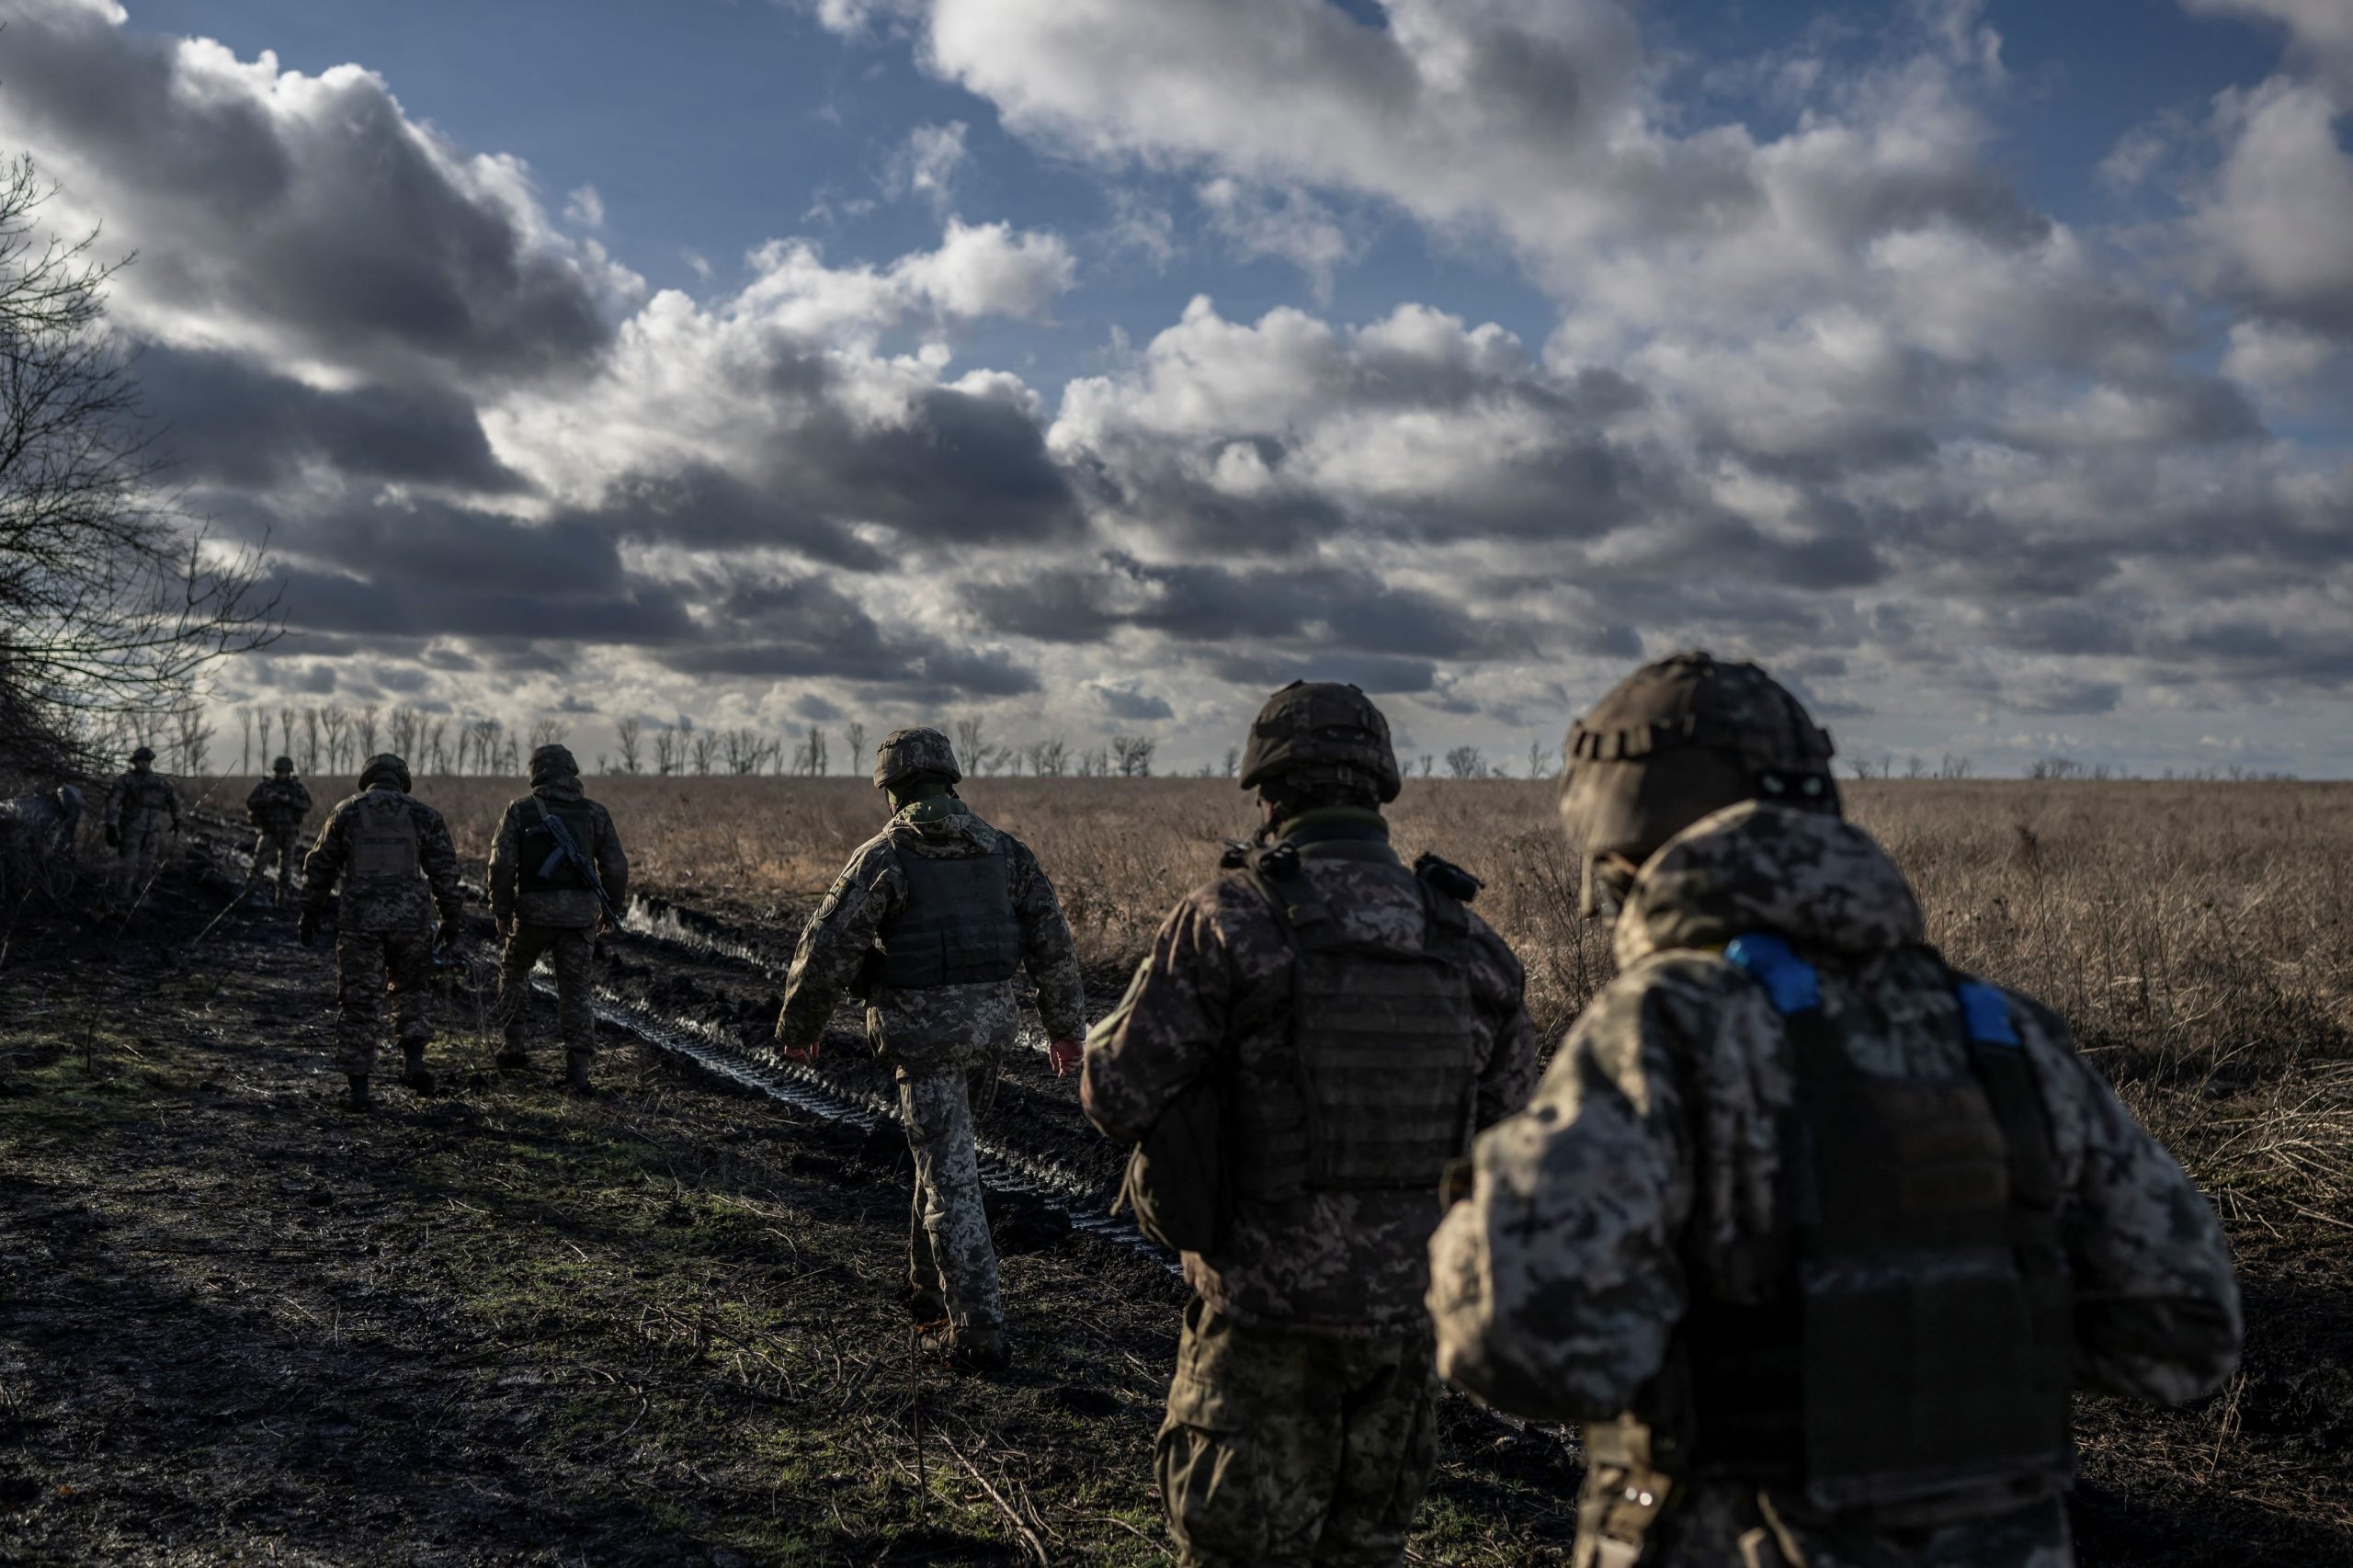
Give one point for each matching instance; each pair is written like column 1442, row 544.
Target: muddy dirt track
column 238, row 1324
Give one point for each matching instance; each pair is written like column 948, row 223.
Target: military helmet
column 1683, row 737
column 384, row 764
column 283, row 764
column 905, row 752
column 551, row 762
column 1327, row 728
column 144, row 753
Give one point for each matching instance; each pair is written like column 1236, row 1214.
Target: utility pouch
column 1623, row 1496
column 1176, row 1182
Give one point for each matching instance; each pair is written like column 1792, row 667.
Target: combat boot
column 575, row 1075
column 975, row 1348
column 413, row 1072
column 357, row 1098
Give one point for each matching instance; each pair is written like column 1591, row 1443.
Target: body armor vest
column 279, row 805
column 1922, row 1341
column 1383, row 1066
column 958, row 926
column 383, row 837
column 540, row 864
column 145, row 793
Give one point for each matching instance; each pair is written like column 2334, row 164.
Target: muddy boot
column 975, row 1348
column 512, row 1057
column 575, row 1075
column 356, row 1096
column 413, row 1072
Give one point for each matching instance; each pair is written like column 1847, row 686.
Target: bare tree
column 1540, row 759
column 1232, row 761
column 546, row 733
column 808, row 756
column 365, row 723
column 1955, row 765
column 192, row 738
column 334, row 722
column 436, row 743
column 109, row 602
column 1915, row 767
column 853, row 737
column 1466, row 762
column 1134, row 754
column 665, row 752
column 969, row 750
column 406, row 725
column 245, row 733
column 628, row 733
column 704, row 746
column 310, row 727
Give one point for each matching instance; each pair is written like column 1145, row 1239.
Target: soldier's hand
column 799, row 1053
column 307, row 928
column 1064, row 1055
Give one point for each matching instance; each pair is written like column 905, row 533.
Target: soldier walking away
column 393, row 853
column 275, row 808
column 138, row 807
column 929, row 923
column 1348, row 1024
column 1815, row 1233
column 557, row 878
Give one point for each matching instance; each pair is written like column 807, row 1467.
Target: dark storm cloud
column 2065, row 695
column 784, row 628
column 1373, row 672
column 321, row 212
column 1132, row 703
column 221, row 419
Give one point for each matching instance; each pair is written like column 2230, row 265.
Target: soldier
column 1353, row 1022
column 277, row 808
column 44, row 821
column 1813, row 1233
column 138, row 805
column 393, row 854
column 557, row 878
column 929, row 923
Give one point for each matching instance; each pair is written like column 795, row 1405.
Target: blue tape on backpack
column 1788, row 979
column 1985, row 1013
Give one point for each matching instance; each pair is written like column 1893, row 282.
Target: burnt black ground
column 499, row 1325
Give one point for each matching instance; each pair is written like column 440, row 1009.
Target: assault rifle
column 568, row 849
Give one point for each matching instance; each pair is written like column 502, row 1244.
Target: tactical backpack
column 1921, row 1340
column 956, row 928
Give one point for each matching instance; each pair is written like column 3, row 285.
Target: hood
column 1816, row 880
column 944, row 821
column 566, row 788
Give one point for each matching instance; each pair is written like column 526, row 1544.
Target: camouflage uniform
column 1300, row 1424
column 553, row 914
column 1644, row 1184
column 384, row 926
column 943, row 1043
column 43, row 824
column 276, row 807
column 139, row 807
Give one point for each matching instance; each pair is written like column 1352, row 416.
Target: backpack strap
column 2000, row 1057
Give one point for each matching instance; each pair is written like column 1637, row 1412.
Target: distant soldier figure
column 275, row 808
column 1349, row 1023
column 139, row 806
column 557, row 876
column 930, row 921
column 44, row 822
column 1813, row 1232
column 393, row 853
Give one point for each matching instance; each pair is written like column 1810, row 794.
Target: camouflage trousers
column 366, row 963
column 283, row 845
column 1285, row 1447
column 952, row 1263
column 143, row 843
column 572, row 953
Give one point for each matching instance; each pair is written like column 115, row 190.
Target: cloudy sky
column 1986, row 369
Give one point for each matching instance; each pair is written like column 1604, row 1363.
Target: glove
column 307, row 928
column 114, row 837
column 1064, row 1055
column 799, row 1053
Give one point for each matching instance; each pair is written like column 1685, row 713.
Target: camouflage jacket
column 943, row 1029
column 371, row 903
column 1216, row 990
column 137, row 798
column 279, row 805
column 573, row 908
column 1642, row 1177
